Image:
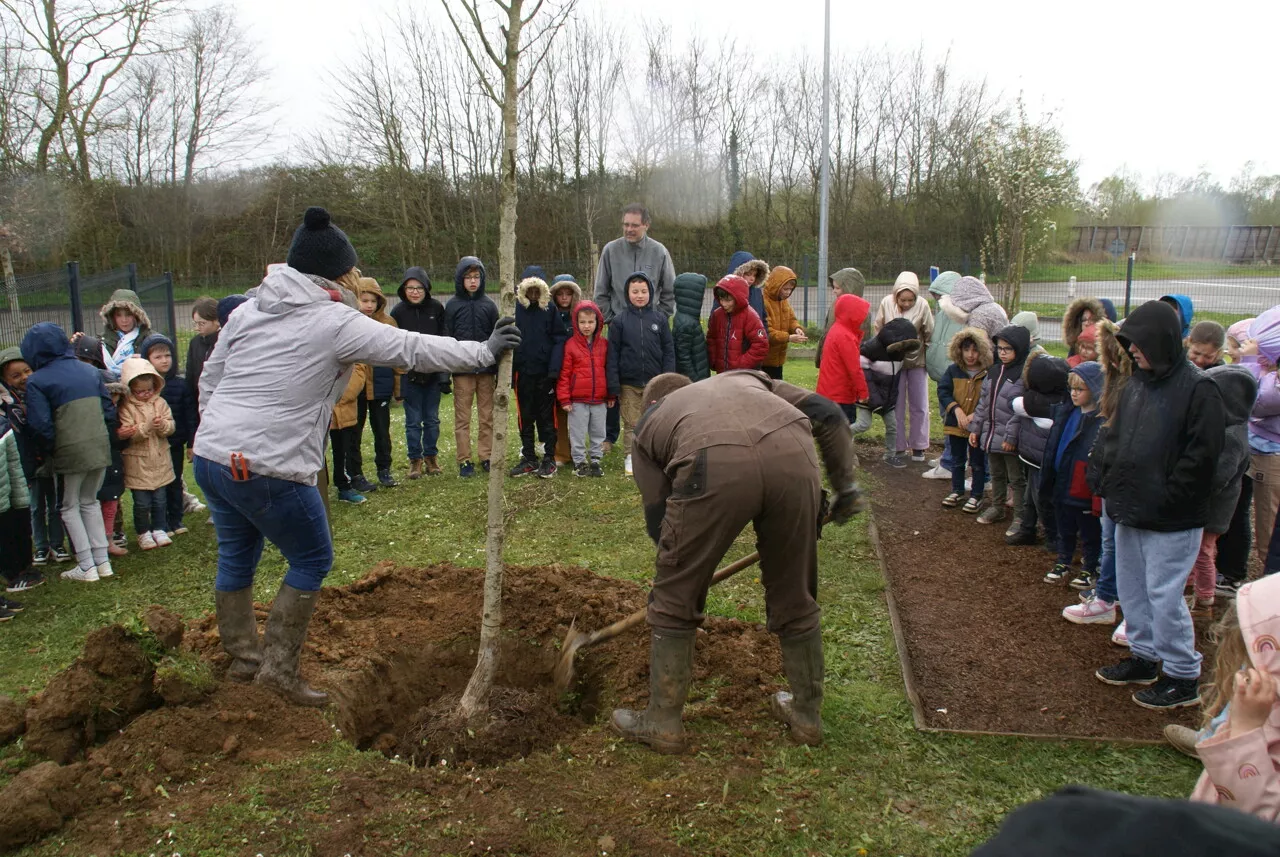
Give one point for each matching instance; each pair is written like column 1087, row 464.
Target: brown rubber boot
column 433, row 466
column 801, row 708
column 238, row 628
column 286, row 629
column 415, row 468
column 670, row 668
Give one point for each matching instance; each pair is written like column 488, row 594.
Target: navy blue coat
column 177, row 392
column 540, row 330
column 640, row 345
column 470, row 317
column 68, row 409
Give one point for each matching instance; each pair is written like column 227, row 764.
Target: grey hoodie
column 619, row 260
column 283, row 360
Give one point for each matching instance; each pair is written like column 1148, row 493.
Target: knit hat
column 1031, row 322
column 320, row 248
column 226, row 306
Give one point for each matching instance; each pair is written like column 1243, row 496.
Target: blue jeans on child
column 1076, row 523
column 1153, row 569
column 421, row 418
column 149, row 510
column 1106, row 588
column 247, row 513
column 962, row 456
column 46, row 519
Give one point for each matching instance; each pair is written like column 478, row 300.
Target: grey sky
column 1151, row 86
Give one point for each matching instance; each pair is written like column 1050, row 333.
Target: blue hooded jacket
column 755, row 296
column 539, row 323
column 176, row 391
column 470, row 317
column 1186, row 310
column 1066, row 455
column 68, row 409
column 640, row 344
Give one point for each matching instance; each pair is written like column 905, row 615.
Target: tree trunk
column 475, row 699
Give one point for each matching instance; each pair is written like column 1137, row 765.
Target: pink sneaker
column 1120, row 638
column 1094, row 611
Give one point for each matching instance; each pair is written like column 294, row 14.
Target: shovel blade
column 562, row 675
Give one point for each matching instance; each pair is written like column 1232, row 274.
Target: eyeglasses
column 1008, row 348
column 421, row 289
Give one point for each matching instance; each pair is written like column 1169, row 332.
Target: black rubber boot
column 238, row 628
column 286, row 630
column 801, row 708
column 670, row 668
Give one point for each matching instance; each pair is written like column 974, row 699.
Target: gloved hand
column 847, row 503
column 505, row 336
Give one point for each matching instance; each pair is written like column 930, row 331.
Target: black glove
column 847, row 504
column 446, row 388
column 505, row 336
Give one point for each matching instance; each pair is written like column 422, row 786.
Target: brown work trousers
column 479, row 388
column 631, row 401
column 775, row 486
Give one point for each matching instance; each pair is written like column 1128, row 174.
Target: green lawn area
column 877, row 784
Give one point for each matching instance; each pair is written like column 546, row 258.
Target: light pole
column 826, row 163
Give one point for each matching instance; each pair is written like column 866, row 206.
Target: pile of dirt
column 394, row 650
column 986, row 643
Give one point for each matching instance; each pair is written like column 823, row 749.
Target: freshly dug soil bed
column 986, row 643
column 394, row 650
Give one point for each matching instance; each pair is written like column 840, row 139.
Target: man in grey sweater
column 634, row 252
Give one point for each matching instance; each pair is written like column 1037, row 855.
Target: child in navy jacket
column 1064, row 476
column 640, row 349
column 540, row 333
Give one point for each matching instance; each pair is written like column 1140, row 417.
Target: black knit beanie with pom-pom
column 321, row 248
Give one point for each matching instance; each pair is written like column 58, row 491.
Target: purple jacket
column 1265, row 419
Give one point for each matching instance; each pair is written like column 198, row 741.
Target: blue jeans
column 46, row 520
column 421, row 418
column 963, row 455
column 245, row 514
column 149, row 510
column 1106, row 588
column 1153, row 569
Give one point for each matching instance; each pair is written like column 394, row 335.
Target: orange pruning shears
column 239, row 467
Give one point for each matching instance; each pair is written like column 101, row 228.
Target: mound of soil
column 394, row 650
column 986, row 643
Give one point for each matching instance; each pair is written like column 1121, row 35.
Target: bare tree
column 503, row 59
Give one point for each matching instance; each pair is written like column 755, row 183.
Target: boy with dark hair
column 159, row 351
column 421, row 313
column 640, row 349
column 1205, row 344
column 1154, row 475
column 736, row 337
column 471, row 317
column 541, row 332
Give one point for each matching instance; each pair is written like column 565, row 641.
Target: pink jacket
column 1243, row 771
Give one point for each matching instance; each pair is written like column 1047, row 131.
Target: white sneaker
column 162, row 539
column 1093, row 611
column 626, row 465
column 191, row 503
column 83, row 575
column 937, row 472
column 147, row 541
column 1120, row 638
column 104, row 570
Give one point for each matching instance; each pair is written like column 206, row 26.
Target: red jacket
column 737, row 341
column 840, row 378
column 583, row 376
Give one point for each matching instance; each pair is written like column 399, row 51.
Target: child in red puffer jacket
column 583, row 389
column 840, row 377
column 736, row 338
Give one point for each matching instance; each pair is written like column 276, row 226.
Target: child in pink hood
column 1241, row 754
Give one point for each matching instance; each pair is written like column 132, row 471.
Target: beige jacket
column 147, row 465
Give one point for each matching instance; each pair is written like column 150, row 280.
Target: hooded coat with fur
column 993, row 419
column 970, row 303
column 563, row 320
column 686, row 328
column 1073, row 320
column 737, row 341
column 780, row 320
column 540, row 331
column 125, row 299
column 743, row 264
column 147, row 465
column 841, row 378
column 958, row 389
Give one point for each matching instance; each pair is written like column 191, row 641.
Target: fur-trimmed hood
column 533, row 291
column 1071, row 319
column 986, row 354
column 128, row 300
column 1115, row 363
column 566, row 281
column 758, row 267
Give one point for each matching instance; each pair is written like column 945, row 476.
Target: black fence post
column 73, row 291
column 1128, row 284
column 133, row 277
column 173, row 311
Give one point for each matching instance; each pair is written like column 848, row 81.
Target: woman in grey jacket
column 266, row 396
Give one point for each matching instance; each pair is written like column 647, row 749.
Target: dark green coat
column 686, row 328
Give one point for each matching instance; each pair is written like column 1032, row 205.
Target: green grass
column 876, row 784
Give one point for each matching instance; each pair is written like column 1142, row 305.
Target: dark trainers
column 1227, row 588
column 14, row 606
column 1022, row 537
column 1170, row 692
column 466, row 470
column 898, row 461
column 362, row 485
column 596, row 469
column 484, row 465
column 6, row 615
column 386, row 479
column 1057, row 573
column 1133, row 670
column 582, row 469
column 61, row 555
column 29, row 579
column 548, row 468
column 41, row 557
column 1083, row 580
column 524, row 467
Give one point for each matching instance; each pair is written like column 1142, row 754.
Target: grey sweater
column 619, row 260
column 283, row 360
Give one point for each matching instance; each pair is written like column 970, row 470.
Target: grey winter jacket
column 1239, row 389
column 283, row 360
column 619, row 260
column 991, row 421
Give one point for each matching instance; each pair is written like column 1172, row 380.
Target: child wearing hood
column 1031, row 322
column 970, row 304
column 990, row 425
column 471, row 317
column 1081, row 315
column 159, row 352
column 640, row 349
column 846, row 281
column 1085, row 348
column 382, row 386
column 565, row 295
column 913, row 388
column 756, row 273
column 1237, row 335
column 1046, row 386
column 881, row 362
column 124, row 327
column 1240, row 743
column 541, row 331
column 582, row 389
column 1260, row 355
column 736, row 338
column 147, row 422
column 1185, row 309
column 840, row 377
column 1064, row 476
column 958, row 394
column 686, row 328
column 780, row 323
column 421, row 391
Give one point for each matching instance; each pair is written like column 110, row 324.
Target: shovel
column 562, row 675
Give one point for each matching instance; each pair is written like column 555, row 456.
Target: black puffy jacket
column 640, row 345
column 895, row 342
column 426, row 316
column 469, row 316
column 540, row 328
column 1161, row 448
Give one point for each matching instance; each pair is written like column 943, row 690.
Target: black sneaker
column 1057, row 573
column 29, row 579
column 1083, row 580
column 1227, row 588
column 484, row 465
column 523, row 468
column 6, row 604
column 1170, row 692
column 40, row 557
column 897, row 461
column 548, row 468
column 362, row 485
column 386, row 479
column 61, row 554
column 1022, row 537
column 466, row 470
column 596, row 469
column 6, row 615
column 1133, row 670
column 582, row 469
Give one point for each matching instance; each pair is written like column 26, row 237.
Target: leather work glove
column 847, row 503
column 505, row 336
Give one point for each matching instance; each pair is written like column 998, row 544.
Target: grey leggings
column 82, row 517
